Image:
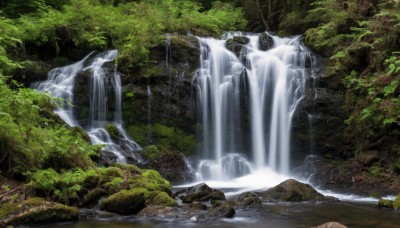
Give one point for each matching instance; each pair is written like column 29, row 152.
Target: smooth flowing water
column 272, row 82
column 61, row 83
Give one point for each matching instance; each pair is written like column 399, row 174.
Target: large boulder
column 132, row 201
column 200, row 192
column 293, row 191
column 126, row 202
column 36, row 210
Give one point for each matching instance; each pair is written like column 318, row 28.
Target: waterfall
column 266, row 86
column 61, row 82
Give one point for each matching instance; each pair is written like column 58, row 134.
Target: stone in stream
column 199, row 192
column 385, row 203
column 294, row 191
column 219, row 211
column 247, row 201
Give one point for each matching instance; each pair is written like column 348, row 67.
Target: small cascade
column 61, row 83
column 265, row 85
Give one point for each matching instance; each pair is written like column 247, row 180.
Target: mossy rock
column 113, row 131
column 292, row 191
column 126, row 202
column 152, row 181
column 132, row 201
column 160, row 198
column 36, row 210
column 384, row 203
column 152, row 152
column 396, row 202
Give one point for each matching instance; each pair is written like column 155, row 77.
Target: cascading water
column 60, row 83
column 274, row 83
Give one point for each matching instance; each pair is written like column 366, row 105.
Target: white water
column 274, row 81
column 60, row 83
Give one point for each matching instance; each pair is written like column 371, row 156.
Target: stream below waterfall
column 282, row 215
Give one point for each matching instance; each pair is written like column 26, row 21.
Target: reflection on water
column 274, row 215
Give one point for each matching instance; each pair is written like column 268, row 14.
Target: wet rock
column 292, row 191
column 236, row 44
column 200, row 192
column 247, row 200
column 198, row 206
column 331, row 225
column 155, row 211
column 126, row 202
column 36, row 210
column 169, row 163
column 219, row 211
column 265, row 42
column 385, row 203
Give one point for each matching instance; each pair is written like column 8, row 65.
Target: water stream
column 61, row 83
column 275, row 80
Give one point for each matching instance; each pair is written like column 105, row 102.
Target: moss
column 152, row 152
column 113, row 172
column 396, row 202
column 375, row 195
column 161, row 198
column 384, row 203
column 36, row 210
column 126, row 201
column 152, row 181
column 113, row 131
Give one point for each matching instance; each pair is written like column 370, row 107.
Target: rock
column 126, row 202
column 247, row 200
column 93, row 196
column 198, row 206
column 265, row 42
column 368, row 157
column 331, row 225
column 396, row 202
column 131, row 201
column 36, row 210
column 236, row 44
column 200, row 192
column 169, row 163
column 384, row 203
column 225, row 210
column 158, row 211
column 160, row 198
column 293, row 191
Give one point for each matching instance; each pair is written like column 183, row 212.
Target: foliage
column 30, row 140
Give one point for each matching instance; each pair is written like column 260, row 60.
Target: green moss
column 36, row 210
column 152, row 152
column 384, row 203
column 152, row 181
column 113, row 131
column 126, row 201
column 113, row 172
column 161, row 198
column 396, row 202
